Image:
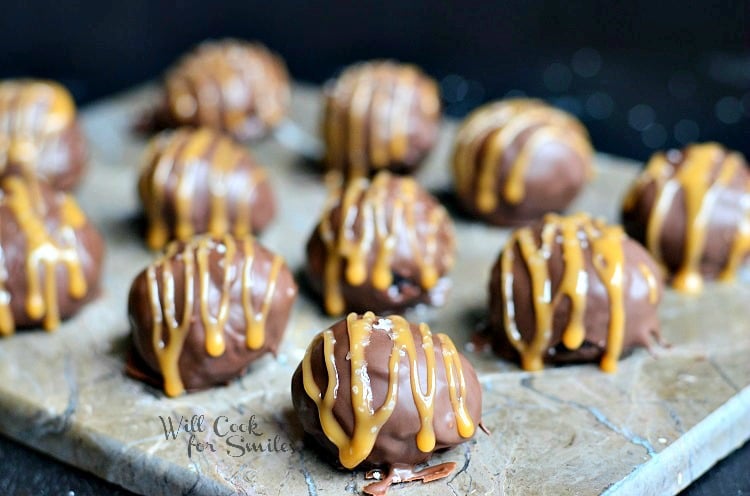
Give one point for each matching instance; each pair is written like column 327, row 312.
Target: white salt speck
column 383, row 325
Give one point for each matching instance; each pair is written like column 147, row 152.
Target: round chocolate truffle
column 39, row 133
column 232, row 85
column 385, row 393
column 207, row 308
column 382, row 245
column 573, row 289
column 515, row 160
column 50, row 256
column 691, row 209
column 200, row 181
column 380, row 115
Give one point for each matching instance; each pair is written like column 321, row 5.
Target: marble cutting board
column 652, row 428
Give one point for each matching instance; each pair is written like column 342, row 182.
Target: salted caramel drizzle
column 483, row 142
column 169, row 332
column 577, row 234
column 32, row 113
column 367, row 227
column 367, row 115
column 368, row 420
column 182, row 158
column 220, row 83
column 45, row 251
column 703, row 171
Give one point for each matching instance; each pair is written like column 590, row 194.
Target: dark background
column 642, row 75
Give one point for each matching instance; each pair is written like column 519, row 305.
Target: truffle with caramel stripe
column 384, row 393
column 573, row 289
column 39, row 133
column 231, row 85
column 382, row 245
column 196, row 181
column 691, row 209
column 515, row 160
column 50, row 256
column 206, row 309
column 380, row 115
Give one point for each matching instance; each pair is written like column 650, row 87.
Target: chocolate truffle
column 381, row 392
column 380, row 115
column 50, row 256
column 518, row 159
column 200, row 181
column 691, row 209
column 382, row 245
column 573, row 289
column 208, row 308
column 232, row 85
column 39, row 133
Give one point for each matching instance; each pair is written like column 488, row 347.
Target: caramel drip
column 222, row 82
column 195, row 256
column 368, row 111
column 45, row 251
column 741, row 244
column 163, row 311
column 483, row 142
column 367, row 228
column 605, row 244
column 256, row 319
column 703, row 172
column 651, row 282
column 32, row 113
column 368, row 420
column 186, row 155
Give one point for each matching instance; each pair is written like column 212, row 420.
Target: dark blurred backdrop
column 643, row 75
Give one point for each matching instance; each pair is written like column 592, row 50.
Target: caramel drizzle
column 221, row 82
column 367, row 115
column 45, row 251
column 367, row 419
column 576, row 233
column 32, row 113
column 651, row 282
column 185, row 155
column 378, row 234
column 196, row 275
column 704, row 171
column 483, row 141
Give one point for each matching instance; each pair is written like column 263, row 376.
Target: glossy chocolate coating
column 641, row 290
column 518, row 159
column 196, row 181
column 238, row 279
column 372, row 217
column 396, row 442
column 39, row 133
column 232, row 85
column 51, row 256
column 380, row 115
column 691, row 209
